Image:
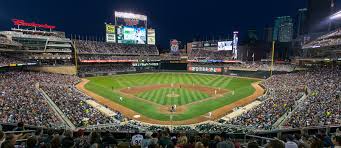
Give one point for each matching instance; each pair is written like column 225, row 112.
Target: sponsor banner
column 31, row 63
column 197, row 44
column 210, row 44
column 145, row 64
column 107, row 61
column 151, row 37
column 232, row 61
column 205, row 61
column 110, row 33
column 18, row 22
column 213, row 61
column 12, row 65
column 110, row 29
column 111, row 38
column 144, row 61
column 225, row 45
column 175, row 62
column 205, row 69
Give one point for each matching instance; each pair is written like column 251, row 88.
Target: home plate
column 137, row 116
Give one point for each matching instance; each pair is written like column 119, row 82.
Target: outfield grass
column 103, row 86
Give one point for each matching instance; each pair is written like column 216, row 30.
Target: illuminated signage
column 145, row 64
column 151, row 36
column 107, row 61
column 205, row 69
column 130, row 15
column 110, row 33
column 18, row 22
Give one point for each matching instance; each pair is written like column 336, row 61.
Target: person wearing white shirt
column 136, row 140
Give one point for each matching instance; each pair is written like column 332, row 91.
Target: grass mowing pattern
column 159, row 96
column 103, row 86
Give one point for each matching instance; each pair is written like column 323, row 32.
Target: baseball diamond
column 150, row 95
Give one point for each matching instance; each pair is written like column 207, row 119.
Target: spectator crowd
column 107, row 68
column 162, row 138
column 97, row 47
column 320, row 108
column 202, row 54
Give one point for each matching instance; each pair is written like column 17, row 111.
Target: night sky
column 180, row 19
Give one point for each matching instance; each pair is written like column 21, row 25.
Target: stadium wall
column 173, row 66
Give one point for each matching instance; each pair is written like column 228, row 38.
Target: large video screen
column 225, row 45
column 131, row 35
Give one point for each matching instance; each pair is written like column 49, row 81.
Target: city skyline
column 185, row 23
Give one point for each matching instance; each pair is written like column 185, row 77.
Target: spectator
column 67, row 141
column 275, row 144
column 2, row 137
column 10, row 141
column 154, row 140
column 337, row 141
column 199, row 145
column 290, row 142
column 20, row 127
column 32, row 142
column 55, row 142
column 95, row 140
column 80, row 140
column 165, row 140
column 146, row 142
column 225, row 142
column 252, row 145
column 182, row 141
column 109, row 140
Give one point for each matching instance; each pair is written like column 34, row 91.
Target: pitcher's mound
column 173, row 95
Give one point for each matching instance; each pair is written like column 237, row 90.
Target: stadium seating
column 106, row 68
column 202, row 54
column 320, row 108
column 96, row 47
column 6, row 60
column 327, row 40
column 5, row 41
column 22, row 136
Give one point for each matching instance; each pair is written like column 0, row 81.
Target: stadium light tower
column 335, row 16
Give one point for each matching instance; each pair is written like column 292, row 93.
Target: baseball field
column 149, row 97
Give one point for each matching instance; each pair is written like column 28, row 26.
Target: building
column 301, row 22
column 252, row 34
column 317, row 17
column 267, row 34
column 283, row 29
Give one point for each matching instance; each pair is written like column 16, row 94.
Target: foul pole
column 272, row 57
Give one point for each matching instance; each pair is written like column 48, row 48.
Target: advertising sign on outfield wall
column 205, row 69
